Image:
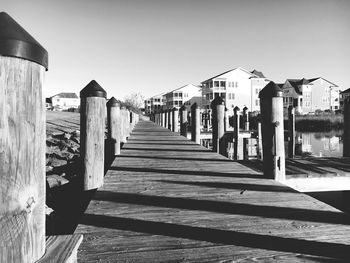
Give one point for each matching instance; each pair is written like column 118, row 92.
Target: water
column 323, row 144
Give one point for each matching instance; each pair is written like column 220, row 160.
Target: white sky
column 153, row 46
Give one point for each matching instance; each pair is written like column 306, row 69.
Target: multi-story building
column 309, row 95
column 342, row 97
column 238, row 87
column 154, row 103
column 65, row 101
column 185, row 95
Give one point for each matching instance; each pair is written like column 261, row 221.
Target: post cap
column 245, row 108
column 183, row 107
column 175, row 109
column 194, row 105
column 236, row 108
column 93, row 89
column 112, row 102
column 217, row 101
column 15, row 41
column 271, row 90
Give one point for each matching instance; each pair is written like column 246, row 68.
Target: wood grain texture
column 61, row 249
column 22, row 161
column 114, row 128
column 92, row 136
column 167, row 199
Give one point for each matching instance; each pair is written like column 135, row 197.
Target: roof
column 184, row 86
column 67, row 95
column 297, row 83
column 249, row 72
column 345, row 91
column 258, row 73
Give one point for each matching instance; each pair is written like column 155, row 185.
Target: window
column 180, row 95
column 216, row 94
column 185, row 95
column 176, row 102
column 236, row 84
column 180, row 103
column 223, row 95
column 257, row 102
column 207, row 97
column 222, row 83
column 257, row 90
column 216, row 83
column 210, row 84
column 231, row 96
column 175, row 94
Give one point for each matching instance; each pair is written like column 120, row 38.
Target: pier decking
column 166, row 199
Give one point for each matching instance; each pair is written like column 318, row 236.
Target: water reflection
column 323, row 144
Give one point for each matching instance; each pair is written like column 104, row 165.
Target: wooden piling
column 170, row 119
column 166, row 118
column 291, row 132
column 271, row 108
column 175, row 127
column 22, row 144
column 227, row 121
column 113, row 125
column 92, row 134
column 218, row 115
column 259, row 142
column 346, row 135
column 236, row 132
column 195, row 128
column 183, row 121
column 245, row 119
column 123, row 120
column 161, row 121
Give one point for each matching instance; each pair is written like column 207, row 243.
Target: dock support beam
column 271, row 108
column 22, row 144
column 291, row 132
column 195, row 123
column 113, row 125
column 218, row 115
column 92, row 134
column 183, row 121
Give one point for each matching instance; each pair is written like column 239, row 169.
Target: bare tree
column 134, row 100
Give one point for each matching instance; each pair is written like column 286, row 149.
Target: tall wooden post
column 170, row 119
column 227, row 121
column 22, row 144
column 123, row 124
column 218, row 112
column 183, row 121
column 236, row 132
column 166, row 119
column 113, row 124
column 346, row 136
column 175, row 127
column 259, row 142
column 92, row 134
column 245, row 119
column 195, row 128
column 271, row 108
column 291, row 132
column 161, row 121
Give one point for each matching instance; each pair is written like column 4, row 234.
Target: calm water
column 326, row 144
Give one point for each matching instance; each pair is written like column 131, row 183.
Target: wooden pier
column 166, row 199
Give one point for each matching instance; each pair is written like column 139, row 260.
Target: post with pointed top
column 346, row 136
column 170, row 119
column 23, row 62
column 291, row 132
column 183, row 121
column 195, row 128
column 271, row 108
column 113, row 125
column 236, row 132
column 175, row 127
column 246, row 119
column 218, row 115
column 227, row 121
column 92, row 133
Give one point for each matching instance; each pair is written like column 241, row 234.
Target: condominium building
column 309, row 95
column 154, row 103
column 185, row 95
column 238, row 87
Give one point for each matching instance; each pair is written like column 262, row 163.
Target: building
column 342, row 97
column 238, row 87
column 185, row 95
column 154, row 103
column 65, row 101
column 309, row 95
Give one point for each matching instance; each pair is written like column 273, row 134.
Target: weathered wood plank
column 167, row 199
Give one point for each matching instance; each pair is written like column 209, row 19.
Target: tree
column 135, row 100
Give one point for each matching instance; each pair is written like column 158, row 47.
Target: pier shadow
column 224, row 207
column 186, row 172
column 236, row 186
column 222, row 237
column 175, row 158
column 170, row 150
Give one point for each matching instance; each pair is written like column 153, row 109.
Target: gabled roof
column 258, row 73
column 345, row 91
column 297, row 83
column 183, row 87
column 69, row 95
column 249, row 72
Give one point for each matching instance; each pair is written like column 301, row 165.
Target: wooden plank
column 166, row 199
column 61, row 249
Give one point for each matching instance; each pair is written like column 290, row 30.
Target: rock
column 49, row 168
column 48, row 210
column 55, row 180
column 67, row 136
column 58, row 162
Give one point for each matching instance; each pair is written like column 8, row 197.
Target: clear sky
column 153, row 46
